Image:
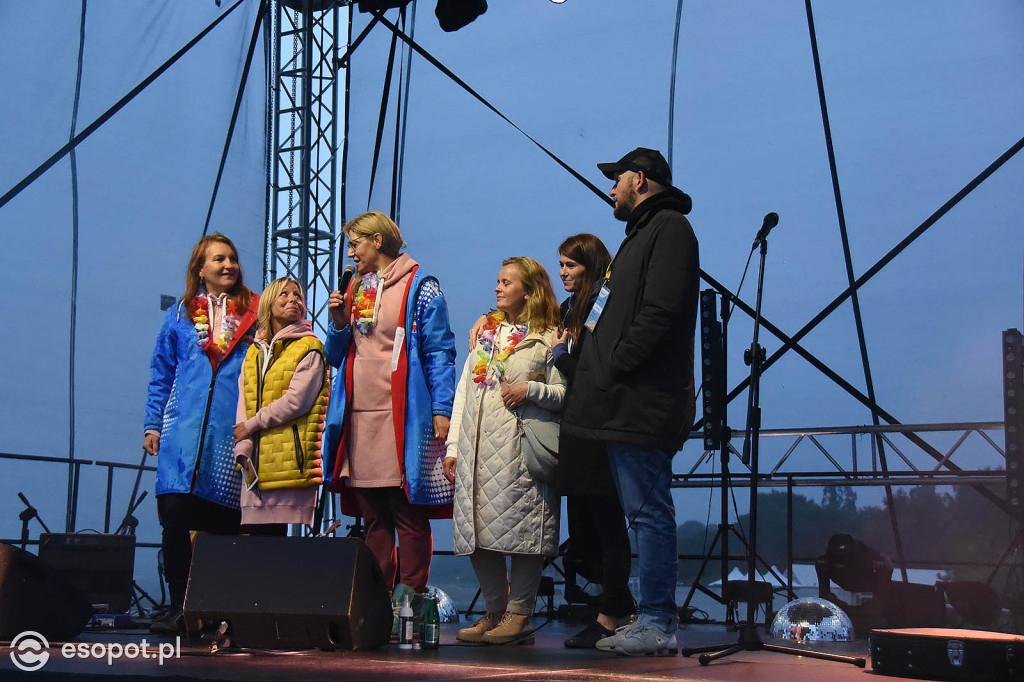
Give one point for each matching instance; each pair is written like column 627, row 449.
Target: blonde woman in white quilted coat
column 500, row 508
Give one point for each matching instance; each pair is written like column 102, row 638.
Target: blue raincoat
column 193, row 405
column 429, row 390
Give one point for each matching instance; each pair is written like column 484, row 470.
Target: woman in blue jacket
column 190, row 410
column 391, row 401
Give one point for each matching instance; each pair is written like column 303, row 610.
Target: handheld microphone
column 770, row 221
column 346, row 277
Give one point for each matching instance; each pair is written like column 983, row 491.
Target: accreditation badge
column 595, row 312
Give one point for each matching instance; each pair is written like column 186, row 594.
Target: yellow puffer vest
column 287, row 456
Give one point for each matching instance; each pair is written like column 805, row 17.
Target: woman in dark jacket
column 597, row 526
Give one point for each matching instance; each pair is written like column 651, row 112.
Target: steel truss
column 845, row 463
column 303, row 97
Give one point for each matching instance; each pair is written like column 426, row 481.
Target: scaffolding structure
column 303, row 101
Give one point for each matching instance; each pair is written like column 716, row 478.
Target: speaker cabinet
column 289, row 593
column 33, row 597
column 102, row 565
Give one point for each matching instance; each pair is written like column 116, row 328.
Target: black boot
column 170, row 624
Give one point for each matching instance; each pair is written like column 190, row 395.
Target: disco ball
column 812, row 620
column 445, row 606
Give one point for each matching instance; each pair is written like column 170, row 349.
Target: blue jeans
column 643, row 476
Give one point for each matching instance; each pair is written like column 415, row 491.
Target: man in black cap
column 634, row 385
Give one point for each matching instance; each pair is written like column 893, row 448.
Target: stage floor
column 548, row 659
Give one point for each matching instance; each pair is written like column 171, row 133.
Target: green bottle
column 430, row 623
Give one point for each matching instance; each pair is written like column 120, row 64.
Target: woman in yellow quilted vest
column 282, row 401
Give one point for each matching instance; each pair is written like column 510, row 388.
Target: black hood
column 672, row 199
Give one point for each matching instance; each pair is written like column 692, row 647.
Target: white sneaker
column 612, row 642
column 647, row 640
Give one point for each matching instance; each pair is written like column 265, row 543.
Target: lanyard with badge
column 599, row 304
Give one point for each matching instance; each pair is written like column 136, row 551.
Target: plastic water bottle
column 405, row 625
column 430, row 623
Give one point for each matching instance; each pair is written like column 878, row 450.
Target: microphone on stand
column 770, row 221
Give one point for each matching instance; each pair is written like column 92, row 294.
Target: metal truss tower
column 301, row 239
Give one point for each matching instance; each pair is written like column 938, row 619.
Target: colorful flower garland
column 485, row 352
column 216, row 346
column 365, row 302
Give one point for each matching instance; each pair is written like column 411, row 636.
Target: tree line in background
column 940, row 530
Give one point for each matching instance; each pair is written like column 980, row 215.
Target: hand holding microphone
column 337, row 304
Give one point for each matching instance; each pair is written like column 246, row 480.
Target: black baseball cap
column 650, row 161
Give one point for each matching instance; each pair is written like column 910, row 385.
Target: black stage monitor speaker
column 102, row 565
column 289, row 593
column 33, row 597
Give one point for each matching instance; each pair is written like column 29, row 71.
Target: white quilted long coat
column 498, row 505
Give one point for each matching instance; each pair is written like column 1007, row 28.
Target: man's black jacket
column 634, row 379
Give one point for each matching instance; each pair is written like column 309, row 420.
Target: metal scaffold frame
column 301, row 240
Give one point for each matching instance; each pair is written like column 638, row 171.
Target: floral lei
column 365, row 302
column 216, row 345
column 481, row 377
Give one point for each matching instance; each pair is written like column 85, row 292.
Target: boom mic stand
column 718, row 436
column 749, row 639
column 127, row 527
column 26, row 515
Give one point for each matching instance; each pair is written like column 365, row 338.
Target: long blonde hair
column 267, row 299
column 541, row 311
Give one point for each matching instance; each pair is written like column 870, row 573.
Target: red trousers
column 387, row 512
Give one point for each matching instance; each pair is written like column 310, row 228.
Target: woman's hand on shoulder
column 449, row 468
column 338, row 307
column 151, row 443
column 474, row 333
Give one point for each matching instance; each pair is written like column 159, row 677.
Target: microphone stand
column 26, row 515
column 127, row 527
column 749, row 639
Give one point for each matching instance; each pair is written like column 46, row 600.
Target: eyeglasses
column 352, row 243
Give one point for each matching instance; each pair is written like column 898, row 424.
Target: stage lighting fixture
column 454, row 14
column 852, row 565
column 976, row 603
column 380, row 5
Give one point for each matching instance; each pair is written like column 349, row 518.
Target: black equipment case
column 947, row 654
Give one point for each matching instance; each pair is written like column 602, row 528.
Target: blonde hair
column 267, row 299
column 541, row 311
column 375, row 222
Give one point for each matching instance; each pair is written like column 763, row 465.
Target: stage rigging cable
column 69, row 518
column 106, row 115
column 854, row 298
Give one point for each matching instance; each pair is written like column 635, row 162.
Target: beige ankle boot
column 475, row 632
column 514, row 628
